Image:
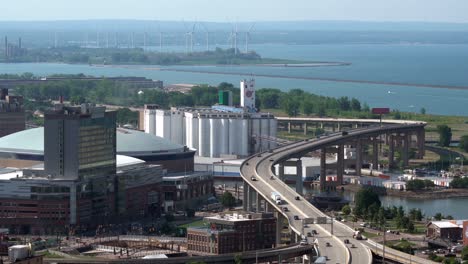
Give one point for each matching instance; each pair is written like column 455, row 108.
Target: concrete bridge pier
column 323, row 168
column 405, row 151
column 391, row 151
column 289, row 127
column 299, row 184
column 279, row 226
column 358, row 157
column 421, row 138
column 340, row 165
column 305, row 129
column 245, row 196
column 375, row 153
column 281, row 171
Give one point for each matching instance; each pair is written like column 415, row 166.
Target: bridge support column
column 421, row 138
column 246, row 196
column 391, row 151
column 258, row 204
column 281, row 171
column 405, row 153
column 279, row 227
column 252, row 199
column 340, row 165
column 305, row 129
column 289, row 127
column 321, row 125
column 375, row 154
column 339, row 126
column 358, row 157
column 323, row 168
column 299, row 184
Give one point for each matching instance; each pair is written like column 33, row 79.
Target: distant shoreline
column 420, row 195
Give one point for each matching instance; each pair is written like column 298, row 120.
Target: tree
column 464, row 253
column 438, row 216
column 346, row 210
column 423, row 111
column 445, row 135
column 355, row 105
column 228, row 200
column 238, row 259
column 463, row 143
column 364, row 199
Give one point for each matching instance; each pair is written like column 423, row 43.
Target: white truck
column 276, row 197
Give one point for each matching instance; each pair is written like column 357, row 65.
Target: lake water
column 440, row 64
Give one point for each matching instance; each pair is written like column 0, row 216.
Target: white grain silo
column 188, row 129
column 150, row 121
column 204, row 137
column 273, row 131
column 244, row 138
column 177, row 125
column 215, row 140
column 235, row 126
column 224, row 136
column 265, row 133
column 256, row 134
column 163, row 124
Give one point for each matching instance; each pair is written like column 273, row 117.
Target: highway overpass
column 260, row 182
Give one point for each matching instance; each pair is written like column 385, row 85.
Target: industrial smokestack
column 6, row 47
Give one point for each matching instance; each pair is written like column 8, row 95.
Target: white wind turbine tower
column 189, row 38
column 248, row 37
column 233, row 38
column 207, row 36
column 160, row 37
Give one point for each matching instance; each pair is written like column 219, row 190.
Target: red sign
column 380, row 111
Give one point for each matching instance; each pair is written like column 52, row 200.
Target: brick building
column 233, row 233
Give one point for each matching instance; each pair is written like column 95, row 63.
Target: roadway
column 261, row 166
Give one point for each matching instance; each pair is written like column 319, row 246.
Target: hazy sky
column 241, row 10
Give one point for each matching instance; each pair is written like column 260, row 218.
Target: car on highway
column 296, row 217
column 285, row 209
column 346, row 241
column 353, row 246
column 253, row 178
column 297, row 198
column 272, row 177
column 314, row 232
column 309, row 234
column 344, row 133
column 328, row 244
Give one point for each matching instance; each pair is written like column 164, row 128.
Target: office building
column 12, row 117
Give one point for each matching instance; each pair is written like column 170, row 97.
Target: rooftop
column 31, row 141
column 444, row 224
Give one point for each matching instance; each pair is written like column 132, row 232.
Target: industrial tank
column 235, row 126
column 273, row 132
column 265, row 133
column 256, row 134
column 215, row 140
column 150, row 122
column 244, row 138
column 204, row 137
column 224, row 136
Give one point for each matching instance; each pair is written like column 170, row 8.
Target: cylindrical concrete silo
column 273, row 131
column 215, row 140
column 244, row 137
column 256, row 134
column 265, row 133
column 204, row 137
column 235, row 126
column 224, row 136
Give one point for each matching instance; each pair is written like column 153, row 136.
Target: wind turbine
column 207, row 35
column 160, row 36
column 233, row 37
column 248, row 37
column 189, row 37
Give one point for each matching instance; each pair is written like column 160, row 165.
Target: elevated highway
column 260, row 182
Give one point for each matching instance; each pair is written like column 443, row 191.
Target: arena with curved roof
column 29, row 145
